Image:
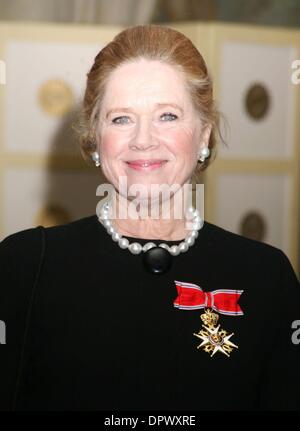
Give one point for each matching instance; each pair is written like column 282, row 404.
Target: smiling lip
column 143, row 164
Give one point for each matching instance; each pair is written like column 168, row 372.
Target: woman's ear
column 206, row 134
column 204, row 137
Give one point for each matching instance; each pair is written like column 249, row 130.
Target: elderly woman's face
column 149, row 131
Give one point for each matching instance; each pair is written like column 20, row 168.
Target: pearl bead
column 174, row 250
column 197, row 225
column 110, row 230
column 190, row 210
column 123, row 243
column 190, row 213
column 183, row 247
column 190, row 241
column 163, row 245
column 106, row 223
column 205, row 152
column 116, row 236
column 149, row 245
column 135, row 248
column 194, row 234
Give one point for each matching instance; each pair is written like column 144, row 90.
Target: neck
column 163, row 222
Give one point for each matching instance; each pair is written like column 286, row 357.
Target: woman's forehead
column 146, row 83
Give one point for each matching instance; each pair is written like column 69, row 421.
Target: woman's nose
column 143, row 137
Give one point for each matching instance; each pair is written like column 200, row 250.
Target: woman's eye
column 169, row 115
column 116, row 120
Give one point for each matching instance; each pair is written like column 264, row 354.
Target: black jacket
column 88, row 328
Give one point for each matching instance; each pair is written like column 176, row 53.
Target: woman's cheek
column 110, row 144
column 182, row 140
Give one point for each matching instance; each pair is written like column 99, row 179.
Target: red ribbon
column 191, row 296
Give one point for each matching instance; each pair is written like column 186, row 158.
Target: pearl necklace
column 157, row 259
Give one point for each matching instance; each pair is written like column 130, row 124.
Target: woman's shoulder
column 243, row 252
column 30, row 239
column 233, row 243
column 23, row 253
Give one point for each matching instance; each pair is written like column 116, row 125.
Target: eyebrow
column 157, row 105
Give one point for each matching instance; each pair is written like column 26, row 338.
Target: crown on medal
column 209, row 318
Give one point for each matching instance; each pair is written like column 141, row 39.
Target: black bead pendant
column 157, row 260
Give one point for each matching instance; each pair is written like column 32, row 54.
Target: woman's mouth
column 146, row 165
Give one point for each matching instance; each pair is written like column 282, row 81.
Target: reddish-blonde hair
column 153, row 42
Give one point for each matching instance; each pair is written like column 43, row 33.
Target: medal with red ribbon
column 224, row 301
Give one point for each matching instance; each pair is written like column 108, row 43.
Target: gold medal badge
column 213, row 338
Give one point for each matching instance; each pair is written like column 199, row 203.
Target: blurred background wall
column 129, row 12
column 48, row 46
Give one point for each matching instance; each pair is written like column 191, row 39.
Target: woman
column 99, row 319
